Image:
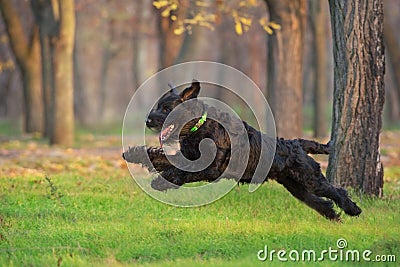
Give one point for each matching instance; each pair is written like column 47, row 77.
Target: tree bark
column 45, row 13
column 27, row 54
column 63, row 131
column 47, row 84
column 56, row 20
column 136, row 36
column 170, row 43
column 318, row 19
column 284, row 70
column 357, row 29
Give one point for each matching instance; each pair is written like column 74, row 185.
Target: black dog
column 292, row 167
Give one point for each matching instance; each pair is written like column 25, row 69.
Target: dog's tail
column 312, row 147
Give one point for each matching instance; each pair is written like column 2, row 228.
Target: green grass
column 111, row 128
column 90, row 213
column 107, row 220
column 8, row 127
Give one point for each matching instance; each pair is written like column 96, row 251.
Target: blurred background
column 119, row 44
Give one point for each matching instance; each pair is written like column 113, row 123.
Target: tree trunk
column 32, row 83
column 90, row 81
column 63, row 131
column 170, row 43
column 56, row 20
column 47, row 85
column 392, row 97
column 357, row 29
column 107, row 55
column 320, row 82
column 136, row 36
column 27, row 55
column 45, row 13
column 285, row 58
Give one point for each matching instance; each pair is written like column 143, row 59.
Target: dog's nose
column 148, row 121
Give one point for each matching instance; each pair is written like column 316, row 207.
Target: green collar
column 201, row 121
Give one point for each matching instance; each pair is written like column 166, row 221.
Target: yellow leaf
column 179, row 30
column 268, row 29
column 207, row 25
column 235, row 15
column 274, row 25
column 199, row 17
column 202, row 4
column 160, row 3
column 189, row 21
column 238, row 28
column 245, row 21
column 252, row 2
column 173, row 18
column 263, row 21
column 211, row 17
column 166, row 12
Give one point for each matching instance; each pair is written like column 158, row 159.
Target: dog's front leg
column 153, row 158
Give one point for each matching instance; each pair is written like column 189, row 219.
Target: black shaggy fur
column 299, row 173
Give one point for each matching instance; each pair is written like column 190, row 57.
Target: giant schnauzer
column 291, row 166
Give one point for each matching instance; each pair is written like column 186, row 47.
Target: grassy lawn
column 89, row 212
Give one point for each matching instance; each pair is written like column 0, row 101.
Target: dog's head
column 170, row 100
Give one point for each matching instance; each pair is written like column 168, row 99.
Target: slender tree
column 284, row 70
column 357, row 29
column 56, row 20
column 90, row 81
column 46, row 12
column 27, row 53
column 170, row 43
column 318, row 26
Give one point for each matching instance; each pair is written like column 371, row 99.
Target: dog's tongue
column 165, row 134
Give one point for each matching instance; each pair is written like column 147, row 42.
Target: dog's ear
column 191, row 92
column 173, row 88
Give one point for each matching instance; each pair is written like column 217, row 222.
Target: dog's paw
column 349, row 207
column 352, row 209
column 161, row 184
column 136, row 154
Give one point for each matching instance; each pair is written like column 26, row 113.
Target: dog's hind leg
column 309, row 174
column 323, row 207
column 312, row 147
column 323, row 188
column 168, row 179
